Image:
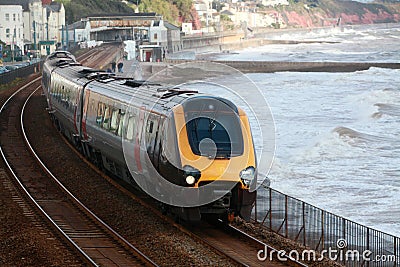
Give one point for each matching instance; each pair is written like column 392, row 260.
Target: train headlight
column 190, row 180
column 247, row 175
column 191, row 175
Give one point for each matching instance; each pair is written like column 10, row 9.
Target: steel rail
column 25, row 191
column 141, row 255
column 287, row 258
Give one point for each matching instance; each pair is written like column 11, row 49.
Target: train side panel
column 64, row 96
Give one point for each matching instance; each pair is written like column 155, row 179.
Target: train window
column 121, row 123
column 59, row 93
column 168, row 152
column 55, row 90
column 100, row 113
column 115, row 120
column 150, row 126
column 224, row 132
column 63, row 93
column 107, row 115
column 130, row 128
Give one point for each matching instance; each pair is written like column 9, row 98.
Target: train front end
column 216, row 155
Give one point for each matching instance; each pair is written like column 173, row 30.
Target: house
column 38, row 21
column 174, row 41
column 11, row 27
column 275, row 2
column 55, row 19
column 78, row 32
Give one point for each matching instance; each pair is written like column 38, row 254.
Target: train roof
column 156, row 96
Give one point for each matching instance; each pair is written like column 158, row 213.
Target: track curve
column 95, row 242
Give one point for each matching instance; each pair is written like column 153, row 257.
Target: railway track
column 227, row 240
column 92, row 239
column 230, row 244
column 95, row 57
column 168, row 248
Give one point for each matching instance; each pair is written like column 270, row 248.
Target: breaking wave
column 354, row 137
column 386, row 109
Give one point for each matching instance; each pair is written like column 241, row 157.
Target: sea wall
column 267, row 66
column 150, row 68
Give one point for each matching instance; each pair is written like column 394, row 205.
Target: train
column 199, row 146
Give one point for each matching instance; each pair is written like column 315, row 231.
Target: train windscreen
column 214, row 128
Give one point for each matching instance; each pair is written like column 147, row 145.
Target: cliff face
column 328, row 12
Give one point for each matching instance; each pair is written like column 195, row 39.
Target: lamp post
column 34, row 35
column 13, row 46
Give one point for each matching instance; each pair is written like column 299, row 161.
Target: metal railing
column 348, row 242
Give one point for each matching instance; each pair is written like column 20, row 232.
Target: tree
column 162, row 7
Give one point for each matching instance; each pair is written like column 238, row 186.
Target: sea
column 337, row 135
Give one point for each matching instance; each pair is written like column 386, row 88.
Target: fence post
column 395, row 250
column 304, row 223
column 322, row 230
column 368, row 242
column 255, row 210
column 270, row 208
column 344, row 228
column 286, row 215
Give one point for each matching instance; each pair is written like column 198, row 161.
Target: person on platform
column 120, row 66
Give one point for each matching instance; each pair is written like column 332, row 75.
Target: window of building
column 14, row 17
column 7, row 17
column 7, row 33
column 155, row 36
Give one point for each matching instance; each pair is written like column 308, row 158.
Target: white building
column 79, row 32
column 35, row 21
column 240, row 14
column 187, row 27
column 158, row 33
column 205, row 12
column 275, row 2
column 55, row 20
column 38, row 22
column 11, row 26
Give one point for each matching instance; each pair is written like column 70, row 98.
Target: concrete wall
column 274, row 66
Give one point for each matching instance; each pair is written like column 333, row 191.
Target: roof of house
column 77, row 25
column 53, row 7
column 23, row 3
column 227, row 12
column 171, row 26
column 151, row 14
column 56, row 6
